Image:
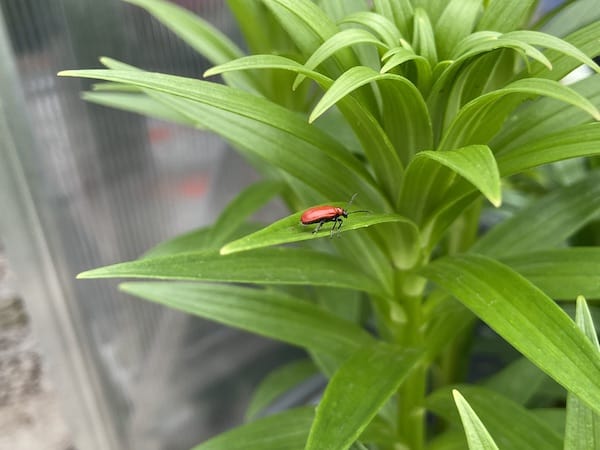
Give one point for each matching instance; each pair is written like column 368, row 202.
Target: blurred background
column 83, row 186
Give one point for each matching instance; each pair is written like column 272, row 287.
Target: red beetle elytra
column 323, row 214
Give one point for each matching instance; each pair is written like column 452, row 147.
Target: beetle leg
column 318, row 227
column 340, row 222
column 337, row 222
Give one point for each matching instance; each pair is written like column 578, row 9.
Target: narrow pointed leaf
column 511, row 425
column 545, row 116
column 423, row 36
column 578, row 141
column 289, row 229
column 284, row 431
column 456, row 22
column 278, row 383
column 478, row 437
column 241, row 207
column 377, row 24
column 505, row 15
column 481, row 118
column 523, row 315
column 476, row 164
column 552, row 42
column 519, row 381
column 255, row 125
column 545, row 223
column 137, row 103
column 582, row 423
column 305, row 22
column 200, row 35
column 427, row 180
column 264, row 266
column 399, row 12
column 196, row 240
column 406, row 113
column 561, row 273
column 343, row 39
column 585, row 39
column 356, row 392
column 376, row 144
column 570, row 16
column 266, row 312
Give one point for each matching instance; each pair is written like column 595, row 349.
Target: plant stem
column 411, row 395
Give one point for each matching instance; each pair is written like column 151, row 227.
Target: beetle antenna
column 351, row 200
column 358, row 210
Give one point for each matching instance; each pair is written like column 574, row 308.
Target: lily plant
column 432, row 112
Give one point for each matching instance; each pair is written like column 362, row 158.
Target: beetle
column 326, row 213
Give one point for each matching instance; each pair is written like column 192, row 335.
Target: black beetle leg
column 319, row 226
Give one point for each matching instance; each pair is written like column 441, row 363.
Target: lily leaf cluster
column 478, row 168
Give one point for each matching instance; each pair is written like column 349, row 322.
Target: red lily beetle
column 324, row 214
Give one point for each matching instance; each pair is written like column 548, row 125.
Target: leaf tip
column 210, row 72
column 457, row 395
column 496, row 201
column 225, row 250
column 86, row 275
column 298, row 81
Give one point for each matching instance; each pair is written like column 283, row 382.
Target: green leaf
column 376, row 143
column 451, row 439
column 241, row 207
column 338, row 41
column 378, row 25
column 263, row 266
column 585, row 39
column 562, row 273
column 476, row 164
column 482, row 117
column 545, row 223
column 538, row 119
column 578, row 141
column 289, row 229
column 200, row 35
column 512, row 426
column 284, row 431
column 338, row 9
column 405, row 117
column 552, row 42
column 259, row 28
column 423, row 37
column 524, row 316
column 356, row 392
column 137, row 103
column 400, row 55
column 553, row 417
column 478, row 436
column 571, row 16
column 305, row 22
column 399, row 12
column 505, row 15
column 519, row 381
column 278, row 383
column 583, row 424
column 456, row 22
column 448, row 319
column 269, row 313
column 257, row 126
column 197, row 240
column 427, row 181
